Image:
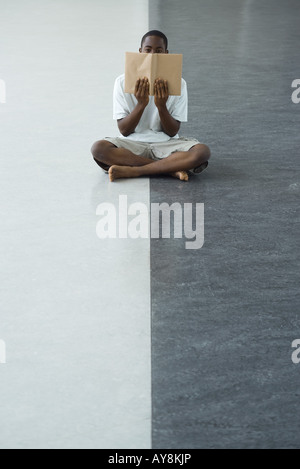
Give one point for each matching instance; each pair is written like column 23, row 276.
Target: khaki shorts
column 158, row 150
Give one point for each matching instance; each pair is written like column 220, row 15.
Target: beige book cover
column 165, row 66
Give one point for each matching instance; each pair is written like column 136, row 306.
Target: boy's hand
column 161, row 93
column 142, row 91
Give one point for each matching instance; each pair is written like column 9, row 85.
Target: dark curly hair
column 154, row 32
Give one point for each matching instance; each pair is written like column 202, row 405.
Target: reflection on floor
column 75, row 309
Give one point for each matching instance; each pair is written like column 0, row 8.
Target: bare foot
column 119, row 172
column 182, row 175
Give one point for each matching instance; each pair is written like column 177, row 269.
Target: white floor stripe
column 75, row 310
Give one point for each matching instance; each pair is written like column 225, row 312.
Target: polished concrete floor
column 139, row 343
column 75, row 309
column 224, row 317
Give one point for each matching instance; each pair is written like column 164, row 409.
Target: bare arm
column 128, row 124
column 161, row 94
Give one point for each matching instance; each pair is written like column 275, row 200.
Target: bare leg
column 179, row 161
column 106, row 155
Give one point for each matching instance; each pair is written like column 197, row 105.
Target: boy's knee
column 202, row 152
column 97, row 148
column 101, row 151
column 205, row 152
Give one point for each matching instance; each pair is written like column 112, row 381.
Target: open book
column 165, row 66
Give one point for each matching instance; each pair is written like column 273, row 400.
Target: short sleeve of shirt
column 120, row 105
column 178, row 105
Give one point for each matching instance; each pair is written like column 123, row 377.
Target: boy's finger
column 158, row 88
column 145, row 86
column 137, row 85
column 166, row 88
column 141, row 85
column 161, row 89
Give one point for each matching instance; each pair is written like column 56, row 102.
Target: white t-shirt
column 149, row 128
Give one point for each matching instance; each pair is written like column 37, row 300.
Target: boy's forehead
column 156, row 41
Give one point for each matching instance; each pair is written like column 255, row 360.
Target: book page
column 169, row 67
column 165, row 66
column 136, row 66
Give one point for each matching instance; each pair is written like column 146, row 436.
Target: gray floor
column 224, row 317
